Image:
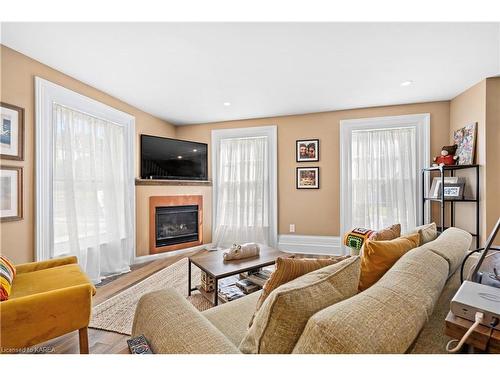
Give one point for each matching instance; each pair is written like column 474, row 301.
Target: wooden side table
column 482, row 340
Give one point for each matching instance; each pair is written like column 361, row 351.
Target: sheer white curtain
column 243, row 192
column 384, row 178
column 92, row 200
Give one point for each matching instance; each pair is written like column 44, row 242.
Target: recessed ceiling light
column 406, row 83
column 226, row 104
column 179, row 157
column 195, row 150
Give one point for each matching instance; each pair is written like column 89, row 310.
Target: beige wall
column 317, row 212
column 467, row 108
column 493, row 153
column 17, row 88
column 314, row 212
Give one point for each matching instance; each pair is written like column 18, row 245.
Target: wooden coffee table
column 213, row 264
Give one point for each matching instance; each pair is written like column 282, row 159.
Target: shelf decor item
column 453, row 191
column 307, row 150
column 11, row 193
column 465, row 139
column 307, row 178
column 12, row 132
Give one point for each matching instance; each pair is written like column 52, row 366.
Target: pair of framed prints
column 307, row 150
column 11, row 148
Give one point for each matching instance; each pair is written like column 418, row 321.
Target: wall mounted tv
column 172, row 159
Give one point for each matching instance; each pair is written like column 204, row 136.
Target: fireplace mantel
column 149, row 182
column 171, row 201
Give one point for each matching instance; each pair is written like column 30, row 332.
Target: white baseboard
column 149, row 258
column 320, row 245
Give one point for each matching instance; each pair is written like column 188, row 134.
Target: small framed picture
column 453, row 191
column 12, row 132
column 307, row 150
column 436, row 185
column 307, row 178
column 11, row 193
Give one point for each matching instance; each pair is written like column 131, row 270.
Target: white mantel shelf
column 140, row 181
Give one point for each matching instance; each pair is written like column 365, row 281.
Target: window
column 381, row 159
column 244, row 168
column 85, row 190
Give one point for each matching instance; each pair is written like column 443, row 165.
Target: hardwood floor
column 104, row 342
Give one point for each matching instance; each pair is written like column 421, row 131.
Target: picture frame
column 307, row 178
column 453, row 191
column 307, row 150
column 11, row 132
column 11, row 193
column 465, row 139
column 436, row 185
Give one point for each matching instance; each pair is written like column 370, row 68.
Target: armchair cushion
column 44, row 264
column 46, row 280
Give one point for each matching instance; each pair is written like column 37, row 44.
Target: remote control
column 139, row 345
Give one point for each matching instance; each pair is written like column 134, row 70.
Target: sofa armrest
column 37, row 266
column 36, row 318
column 172, row 325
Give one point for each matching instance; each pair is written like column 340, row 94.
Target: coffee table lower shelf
column 208, row 295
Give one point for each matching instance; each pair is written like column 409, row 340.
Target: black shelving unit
column 443, row 202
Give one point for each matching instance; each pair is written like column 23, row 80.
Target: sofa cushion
column 378, row 257
column 387, row 234
column 427, row 232
column 283, row 316
column 385, row 318
column 233, row 318
column 288, row 269
column 29, row 283
column 451, row 245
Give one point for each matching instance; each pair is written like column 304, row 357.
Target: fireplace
column 175, row 222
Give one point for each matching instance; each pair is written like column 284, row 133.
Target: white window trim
column 260, row 131
column 421, row 123
column 46, row 93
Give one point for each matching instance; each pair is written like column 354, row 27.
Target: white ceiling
column 184, row 72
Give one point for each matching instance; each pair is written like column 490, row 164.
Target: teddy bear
column 447, row 156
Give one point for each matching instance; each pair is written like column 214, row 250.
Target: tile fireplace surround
column 173, row 201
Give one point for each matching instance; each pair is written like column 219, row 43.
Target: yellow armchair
column 48, row 299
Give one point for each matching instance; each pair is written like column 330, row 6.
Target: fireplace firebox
column 176, row 224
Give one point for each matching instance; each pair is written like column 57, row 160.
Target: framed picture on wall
column 11, row 193
column 12, row 132
column 307, row 150
column 307, row 178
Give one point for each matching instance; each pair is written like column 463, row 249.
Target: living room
column 247, row 188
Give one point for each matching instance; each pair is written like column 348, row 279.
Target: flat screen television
column 172, row 159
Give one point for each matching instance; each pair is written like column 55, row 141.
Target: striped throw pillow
column 288, row 269
column 7, row 273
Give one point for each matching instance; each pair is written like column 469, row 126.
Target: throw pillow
column 379, row 256
column 288, row 269
column 7, row 273
column 387, row 234
column 284, row 314
column 427, row 232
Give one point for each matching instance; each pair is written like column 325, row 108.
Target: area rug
column 116, row 314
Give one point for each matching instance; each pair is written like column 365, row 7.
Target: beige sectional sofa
column 385, row 318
